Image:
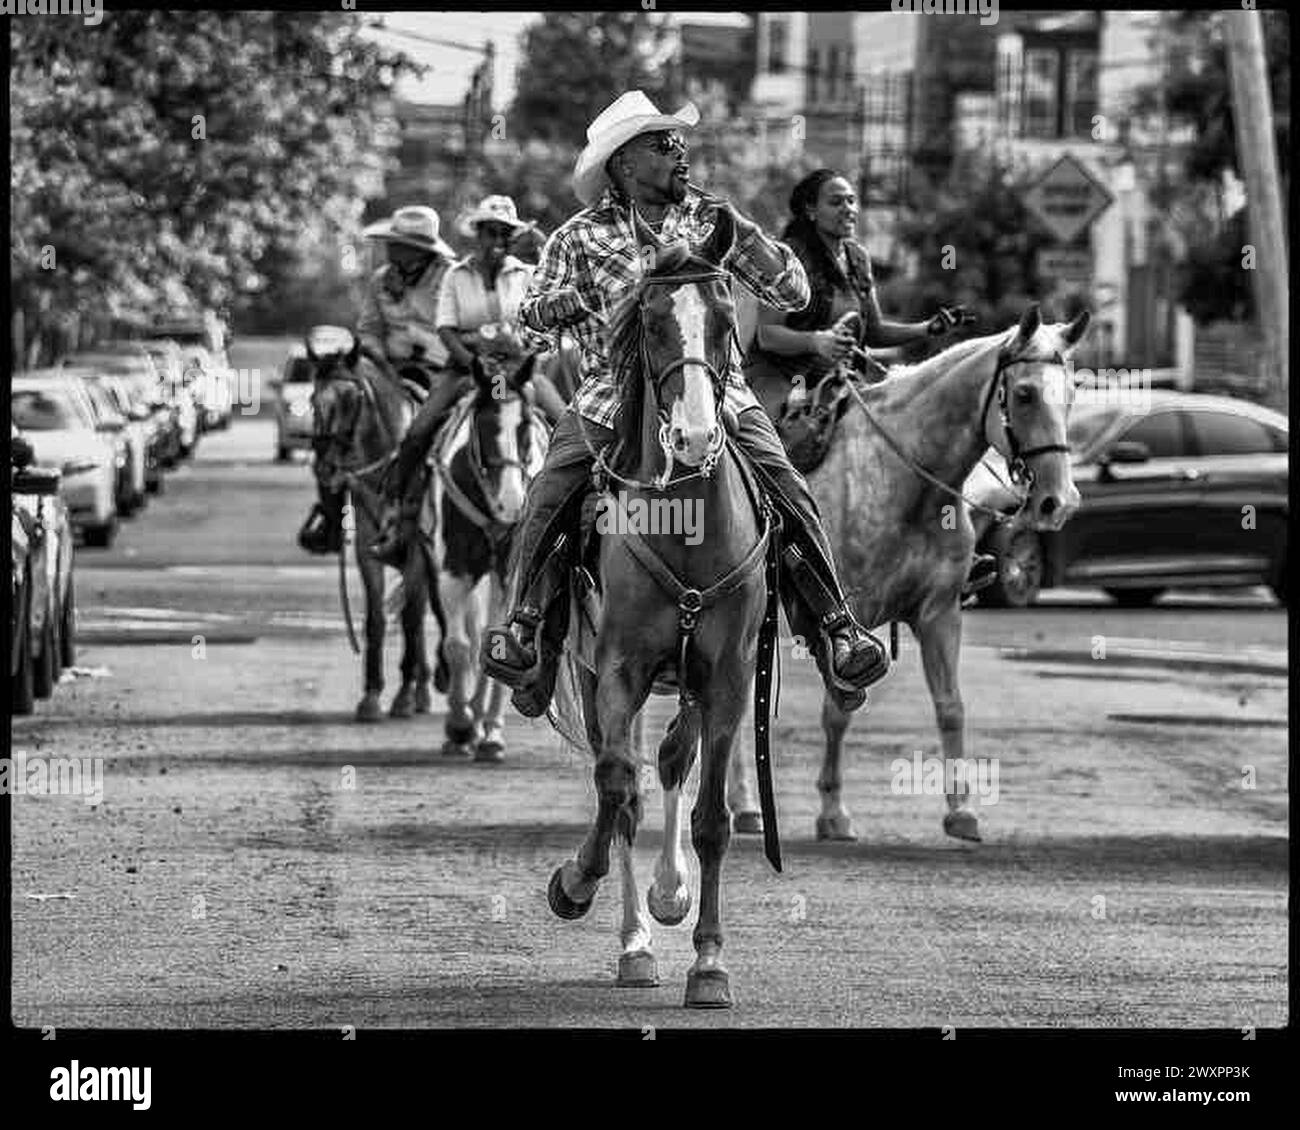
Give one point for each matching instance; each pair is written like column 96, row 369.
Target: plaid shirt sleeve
column 562, row 266
column 787, row 290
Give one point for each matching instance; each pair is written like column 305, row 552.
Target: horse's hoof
column 453, row 750
column 561, row 904
column 423, row 699
column 963, row 825
column 368, row 709
column 708, row 988
column 491, row 750
column 747, row 823
column 403, row 702
column 637, row 970
column 836, row 828
column 668, row 910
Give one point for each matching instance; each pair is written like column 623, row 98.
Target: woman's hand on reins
column 830, row 345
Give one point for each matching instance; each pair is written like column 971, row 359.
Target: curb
column 1203, row 661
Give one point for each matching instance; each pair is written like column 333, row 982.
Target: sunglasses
column 665, row 143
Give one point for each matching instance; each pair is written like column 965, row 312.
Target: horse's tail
column 566, row 714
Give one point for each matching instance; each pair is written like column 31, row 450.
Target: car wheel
column 282, row 453
column 24, row 700
column 1020, row 569
column 103, row 536
column 1134, row 598
column 68, row 628
column 45, row 673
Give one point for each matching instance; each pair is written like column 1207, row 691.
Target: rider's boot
column 525, row 653
column 849, row 657
column 322, row 532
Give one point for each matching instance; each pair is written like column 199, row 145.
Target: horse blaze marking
column 691, row 314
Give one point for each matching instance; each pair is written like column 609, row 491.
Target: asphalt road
column 260, row 860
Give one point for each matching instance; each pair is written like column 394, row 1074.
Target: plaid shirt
column 596, row 252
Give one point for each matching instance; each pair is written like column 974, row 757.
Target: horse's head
column 1027, row 412
column 671, row 337
column 507, row 441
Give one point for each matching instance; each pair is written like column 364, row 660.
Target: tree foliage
column 574, row 64
column 179, row 158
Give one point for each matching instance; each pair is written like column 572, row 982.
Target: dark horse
column 484, row 458
column 670, row 348
column 362, row 409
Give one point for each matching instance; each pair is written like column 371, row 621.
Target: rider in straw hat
column 398, row 322
column 478, row 316
column 636, row 158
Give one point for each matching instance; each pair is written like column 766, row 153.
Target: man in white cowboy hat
column 399, row 312
column 398, row 322
column 478, row 322
column 635, row 158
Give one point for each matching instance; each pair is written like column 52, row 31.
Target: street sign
column 1067, row 267
column 1067, row 198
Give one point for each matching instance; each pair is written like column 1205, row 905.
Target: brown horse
column 362, row 411
column 904, row 543
column 676, row 607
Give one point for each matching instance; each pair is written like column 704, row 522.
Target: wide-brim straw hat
column 491, row 210
column 628, row 116
column 415, row 226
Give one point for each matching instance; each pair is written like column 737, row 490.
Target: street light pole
column 1252, row 115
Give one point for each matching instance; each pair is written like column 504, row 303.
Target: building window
column 1008, row 87
column 832, row 72
column 1080, row 92
column 1042, row 78
column 814, row 65
column 778, row 35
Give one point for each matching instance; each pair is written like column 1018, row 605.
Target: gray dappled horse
column 484, row 459
column 904, row 545
column 362, row 410
column 670, row 343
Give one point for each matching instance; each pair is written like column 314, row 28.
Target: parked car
column 126, row 366
column 169, row 363
column 1185, row 490
column 209, row 381
column 127, row 439
column 52, row 412
column 294, row 423
column 42, row 604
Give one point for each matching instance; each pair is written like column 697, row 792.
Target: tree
column 1198, row 93
column 176, row 158
column 576, row 63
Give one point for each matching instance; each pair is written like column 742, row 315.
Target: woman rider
column 796, row 351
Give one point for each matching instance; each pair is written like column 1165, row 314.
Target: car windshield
column 1085, row 428
column 46, row 410
column 114, row 363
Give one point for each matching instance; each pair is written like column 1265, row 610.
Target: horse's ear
column 1076, row 329
column 718, row 245
column 1030, row 320
column 524, row 373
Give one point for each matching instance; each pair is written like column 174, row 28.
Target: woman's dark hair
column 801, row 234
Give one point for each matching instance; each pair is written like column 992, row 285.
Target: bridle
column 1017, row 456
column 335, row 373
column 656, row 380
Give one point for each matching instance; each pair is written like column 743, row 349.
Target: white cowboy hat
column 491, row 210
column 626, row 117
column 415, row 226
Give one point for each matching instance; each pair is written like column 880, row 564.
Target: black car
column 1182, row 490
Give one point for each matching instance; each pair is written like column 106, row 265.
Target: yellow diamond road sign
column 1067, row 198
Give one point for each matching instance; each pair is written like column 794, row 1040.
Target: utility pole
column 1252, row 115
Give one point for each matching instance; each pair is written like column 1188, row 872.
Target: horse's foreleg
column 834, row 821
column 372, row 579
column 414, row 695
column 490, row 696
column 455, row 594
column 940, row 640
column 669, row 895
column 636, row 964
column 742, row 798
column 707, row 982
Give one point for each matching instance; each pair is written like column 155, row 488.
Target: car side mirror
column 42, row 481
column 1128, row 451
